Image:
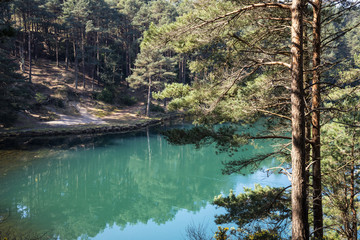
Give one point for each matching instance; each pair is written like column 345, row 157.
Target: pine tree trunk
column 67, row 53
column 148, row 98
column 307, row 83
column 83, row 58
column 317, row 194
column 76, row 64
column 97, row 57
column 298, row 154
column 22, row 57
column 57, row 47
column 29, row 49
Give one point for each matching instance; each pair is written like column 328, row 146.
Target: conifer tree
column 152, row 69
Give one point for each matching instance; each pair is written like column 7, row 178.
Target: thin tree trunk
column 22, row 57
column 148, row 98
column 298, row 182
column 29, row 49
column 67, row 53
column 83, row 57
column 22, row 52
column 183, row 70
column 317, row 194
column 76, row 64
column 93, row 78
column 57, row 47
column 97, row 57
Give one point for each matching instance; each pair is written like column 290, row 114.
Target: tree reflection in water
column 119, row 181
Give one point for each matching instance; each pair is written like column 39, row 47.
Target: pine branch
column 236, row 13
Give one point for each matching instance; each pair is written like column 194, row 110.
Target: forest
column 294, row 63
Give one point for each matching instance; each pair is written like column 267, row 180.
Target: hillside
column 51, row 100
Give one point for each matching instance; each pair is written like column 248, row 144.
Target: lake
column 124, row 186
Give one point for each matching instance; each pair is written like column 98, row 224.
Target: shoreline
column 82, row 129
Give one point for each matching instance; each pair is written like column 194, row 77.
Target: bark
column 298, row 179
column 22, row 57
column 57, row 47
column 83, row 58
column 317, row 194
column 148, row 98
column 29, row 49
column 76, row 64
column 97, row 56
column 67, row 53
column 307, row 83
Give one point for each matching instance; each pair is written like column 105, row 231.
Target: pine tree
column 152, row 69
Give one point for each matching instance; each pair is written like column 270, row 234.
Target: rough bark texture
column 307, row 83
column 298, row 194
column 317, row 194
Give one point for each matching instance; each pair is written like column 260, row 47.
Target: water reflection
column 121, row 182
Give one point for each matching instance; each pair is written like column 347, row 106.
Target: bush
column 40, row 98
column 106, row 95
column 156, row 108
column 128, row 100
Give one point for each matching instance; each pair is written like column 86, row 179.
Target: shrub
column 106, row 95
column 127, row 100
column 156, row 108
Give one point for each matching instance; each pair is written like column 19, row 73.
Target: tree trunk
column 83, row 57
column 307, row 83
column 148, row 98
column 97, row 57
column 76, row 64
column 298, row 182
column 22, row 57
column 67, row 53
column 29, row 49
column 57, row 47
column 317, row 194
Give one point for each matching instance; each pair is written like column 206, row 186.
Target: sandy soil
column 47, row 74
column 83, row 118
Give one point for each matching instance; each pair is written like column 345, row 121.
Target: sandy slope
column 83, row 118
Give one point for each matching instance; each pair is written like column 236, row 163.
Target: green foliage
column 127, row 100
column 221, row 234
column 263, row 234
column 152, row 67
column 106, row 95
column 341, row 151
column 263, row 206
column 225, row 137
column 156, row 108
column 40, row 98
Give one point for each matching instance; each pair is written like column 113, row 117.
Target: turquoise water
column 133, row 186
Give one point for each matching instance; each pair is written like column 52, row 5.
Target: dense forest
column 294, row 63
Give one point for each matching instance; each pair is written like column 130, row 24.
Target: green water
column 133, row 186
